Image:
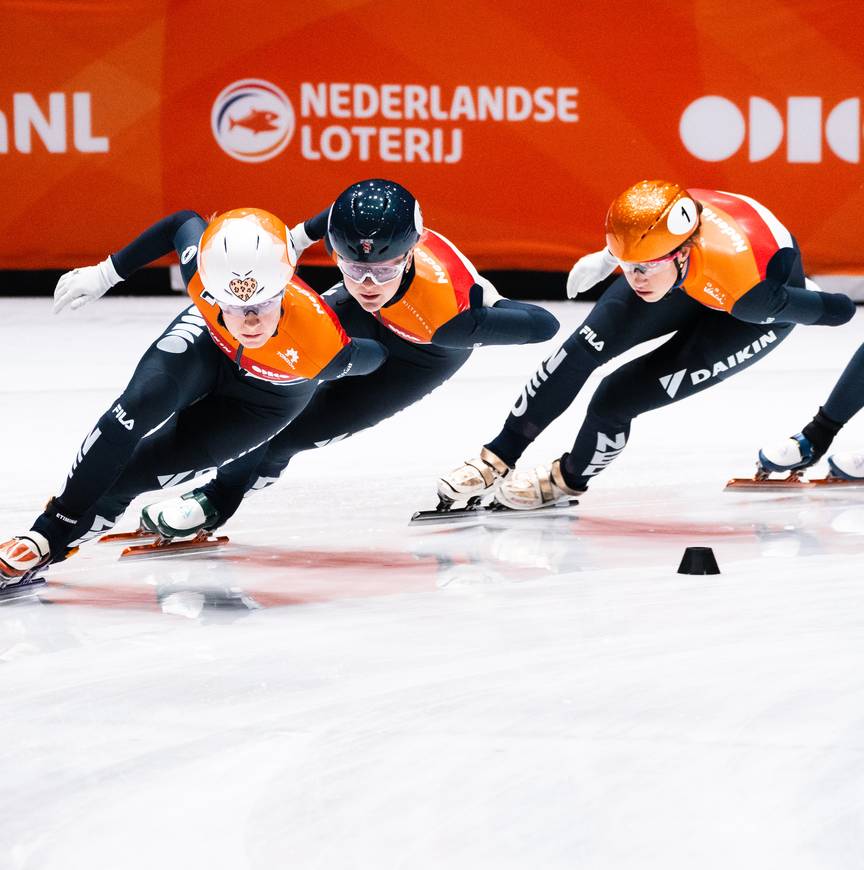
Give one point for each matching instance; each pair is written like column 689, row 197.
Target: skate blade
column 120, row 537
column 25, row 589
column 786, row 484
column 173, row 548
column 490, row 511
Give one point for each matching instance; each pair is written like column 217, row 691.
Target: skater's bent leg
column 178, row 368
column 618, row 322
column 845, row 401
column 338, row 410
column 716, row 349
column 847, row 397
column 193, row 443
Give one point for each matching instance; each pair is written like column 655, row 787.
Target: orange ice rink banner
column 514, row 124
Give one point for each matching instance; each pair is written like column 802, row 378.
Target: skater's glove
column 588, row 271
column 81, row 286
column 300, row 238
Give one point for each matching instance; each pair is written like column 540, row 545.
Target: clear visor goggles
column 380, row 273
column 649, row 267
column 256, row 308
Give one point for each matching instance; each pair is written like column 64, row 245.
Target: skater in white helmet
column 227, row 374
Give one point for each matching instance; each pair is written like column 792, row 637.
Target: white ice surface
column 336, row 689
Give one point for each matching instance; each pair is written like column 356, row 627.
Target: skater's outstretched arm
column 178, row 232
column 780, row 301
column 492, row 319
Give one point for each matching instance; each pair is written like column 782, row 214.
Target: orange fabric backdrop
column 274, row 105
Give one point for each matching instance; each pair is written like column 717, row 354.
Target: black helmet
column 374, row 220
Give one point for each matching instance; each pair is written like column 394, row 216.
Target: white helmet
column 246, row 257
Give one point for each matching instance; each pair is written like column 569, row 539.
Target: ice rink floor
column 336, row 689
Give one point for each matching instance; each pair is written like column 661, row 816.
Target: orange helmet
column 246, row 257
column 649, row 220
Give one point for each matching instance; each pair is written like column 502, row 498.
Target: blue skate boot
column 791, row 455
column 847, row 466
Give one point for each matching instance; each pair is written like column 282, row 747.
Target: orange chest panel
column 440, row 290
column 737, row 239
column 307, row 336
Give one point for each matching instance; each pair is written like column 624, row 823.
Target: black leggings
column 707, row 347
column 847, row 397
column 208, row 409
column 186, row 408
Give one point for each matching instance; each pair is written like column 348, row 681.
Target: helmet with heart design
column 246, row 257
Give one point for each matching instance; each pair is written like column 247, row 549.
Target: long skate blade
column 173, row 548
column 23, row 589
column 120, row 537
column 786, row 484
column 491, row 511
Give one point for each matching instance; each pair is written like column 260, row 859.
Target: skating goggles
column 257, row 308
column 649, row 267
column 380, row 273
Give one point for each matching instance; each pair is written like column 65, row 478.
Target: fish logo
column 252, row 120
column 257, row 121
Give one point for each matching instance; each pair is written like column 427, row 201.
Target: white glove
column 588, row 271
column 80, row 286
column 300, row 238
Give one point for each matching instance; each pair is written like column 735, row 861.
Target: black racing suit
column 708, row 346
column 187, row 408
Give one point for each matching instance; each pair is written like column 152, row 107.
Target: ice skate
column 472, row 481
column 182, row 524
column 789, row 457
column 22, row 559
column 181, row 516
column 539, row 488
column 846, row 466
column 792, row 456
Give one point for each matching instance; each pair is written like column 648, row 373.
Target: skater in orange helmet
column 717, row 269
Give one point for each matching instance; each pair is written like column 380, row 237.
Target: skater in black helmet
column 403, row 285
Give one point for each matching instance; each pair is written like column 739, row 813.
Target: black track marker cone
column 698, row 560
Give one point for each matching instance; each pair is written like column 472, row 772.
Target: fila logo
column 714, row 128
column 591, row 338
column 672, row 383
column 530, row 389
column 120, row 414
column 606, row 450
